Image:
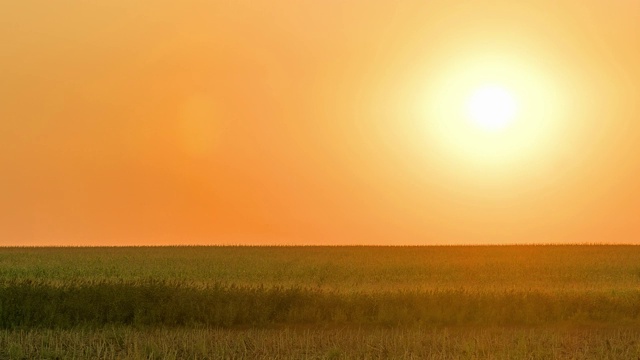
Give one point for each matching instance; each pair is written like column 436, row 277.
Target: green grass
column 544, row 268
column 156, row 303
column 535, row 299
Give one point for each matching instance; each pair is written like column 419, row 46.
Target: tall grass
column 320, row 343
column 29, row 304
column 344, row 269
column 499, row 302
column 252, row 286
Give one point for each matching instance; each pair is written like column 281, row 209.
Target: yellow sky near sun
column 333, row 122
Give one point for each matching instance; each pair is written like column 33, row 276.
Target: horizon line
column 313, row 245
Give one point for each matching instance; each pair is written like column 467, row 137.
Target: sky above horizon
column 316, row 122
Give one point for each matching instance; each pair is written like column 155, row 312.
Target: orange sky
column 295, row 122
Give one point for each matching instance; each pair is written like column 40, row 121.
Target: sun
column 492, row 107
column 491, row 112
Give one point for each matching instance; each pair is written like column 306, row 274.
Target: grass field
column 321, row 302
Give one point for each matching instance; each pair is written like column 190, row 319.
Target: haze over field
column 319, row 122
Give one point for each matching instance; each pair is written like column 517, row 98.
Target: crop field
column 494, row 302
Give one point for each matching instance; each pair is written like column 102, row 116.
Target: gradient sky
column 294, row 122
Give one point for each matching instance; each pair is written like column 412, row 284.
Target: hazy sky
column 311, row 122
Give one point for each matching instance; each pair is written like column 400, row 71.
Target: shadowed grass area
column 160, row 303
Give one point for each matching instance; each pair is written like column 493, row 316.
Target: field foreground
column 339, row 343
column 320, row 302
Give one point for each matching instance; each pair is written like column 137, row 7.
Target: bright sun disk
column 492, row 107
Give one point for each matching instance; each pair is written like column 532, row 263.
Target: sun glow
column 492, row 107
column 492, row 113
